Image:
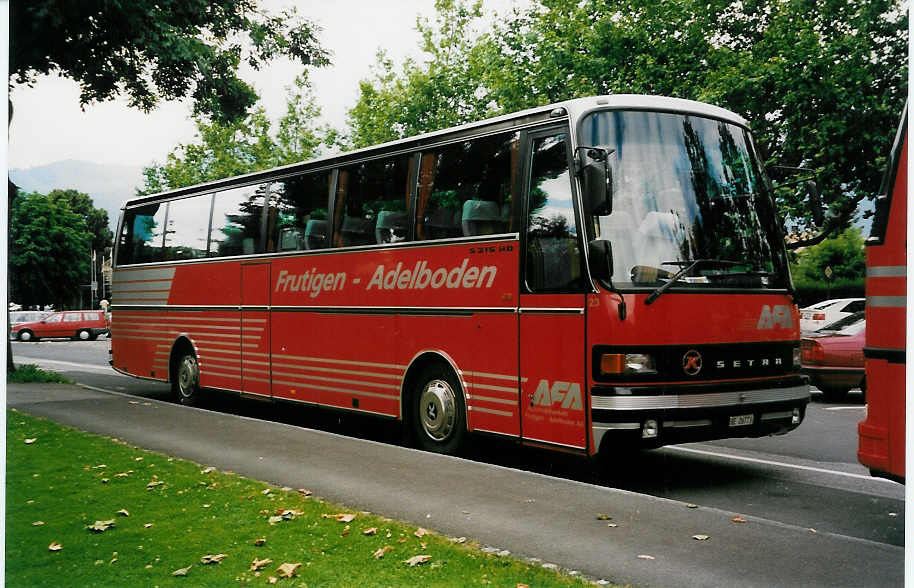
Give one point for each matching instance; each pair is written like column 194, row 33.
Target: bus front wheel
column 437, row 413
column 186, row 382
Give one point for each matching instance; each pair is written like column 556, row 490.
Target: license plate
column 742, row 420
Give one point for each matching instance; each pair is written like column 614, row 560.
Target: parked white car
column 818, row 315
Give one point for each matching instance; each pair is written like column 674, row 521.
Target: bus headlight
column 615, row 364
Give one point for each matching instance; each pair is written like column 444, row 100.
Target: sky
column 48, row 124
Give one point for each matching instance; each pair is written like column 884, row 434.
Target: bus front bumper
column 656, row 416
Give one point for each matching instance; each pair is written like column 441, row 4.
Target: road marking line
column 776, row 463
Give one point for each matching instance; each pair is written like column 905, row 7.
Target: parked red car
column 833, row 357
column 76, row 324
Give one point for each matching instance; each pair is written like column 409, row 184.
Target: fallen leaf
column 212, row 559
column 30, row 441
column 275, row 519
column 101, row 526
column 259, row 564
column 137, row 459
column 612, row 525
column 646, row 557
column 265, row 492
column 123, row 512
column 182, row 571
column 208, row 470
column 401, row 540
column 522, row 586
column 458, row 540
column 153, row 484
column 739, row 520
column 272, row 580
column 104, row 480
column 100, row 466
column 147, row 525
column 417, row 560
column 342, row 517
column 371, row 531
column 287, row 570
column 260, row 542
column 691, row 506
column 381, row 552
column 55, row 546
column 37, row 523
column 121, row 475
column 304, row 492
column 701, row 537
column 420, row 532
column 603, row 517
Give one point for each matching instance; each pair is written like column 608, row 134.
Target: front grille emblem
column 691, row 362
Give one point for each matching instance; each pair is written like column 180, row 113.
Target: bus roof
column 573, row 109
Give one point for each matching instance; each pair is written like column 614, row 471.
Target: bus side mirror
column 596, row 178
column 600, row 258
column 815, row 202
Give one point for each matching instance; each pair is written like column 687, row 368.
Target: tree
column 843, row 254
column 821, row 83
column 155, row 50
column 245, row 146
column 48, row 251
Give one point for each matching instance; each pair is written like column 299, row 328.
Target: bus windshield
column 685, row 189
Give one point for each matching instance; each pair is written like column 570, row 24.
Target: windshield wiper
column 691, row 265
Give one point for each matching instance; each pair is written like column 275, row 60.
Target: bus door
column 552, row 302
column 255, row 329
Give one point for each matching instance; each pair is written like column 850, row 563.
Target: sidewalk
column 528, row 514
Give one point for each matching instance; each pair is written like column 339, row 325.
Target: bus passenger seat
column 391, row 227
column 290, row 239
column 481, row 217
column 316, row 234
column 442, row 223
column 357, row 231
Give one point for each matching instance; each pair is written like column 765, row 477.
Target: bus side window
column 237, row 217
column 141, row 234
column 188, row 220
column 554, row 260
column 465, row 188
column 371, row 202
column 301, row 207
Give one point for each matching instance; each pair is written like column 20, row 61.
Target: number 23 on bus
column 598, row 272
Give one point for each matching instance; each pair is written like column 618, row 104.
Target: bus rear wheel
column 185, row 384
column 437, row 414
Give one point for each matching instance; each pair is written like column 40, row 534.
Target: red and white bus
column 882, row 434
column 599, row 271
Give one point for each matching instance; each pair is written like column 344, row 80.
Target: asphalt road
column 815, row 517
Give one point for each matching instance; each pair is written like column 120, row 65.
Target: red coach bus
column 599, row 271
column 882, row 434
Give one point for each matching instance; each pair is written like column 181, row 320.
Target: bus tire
column 185, row 385
column 438, row 414
column 25, row 335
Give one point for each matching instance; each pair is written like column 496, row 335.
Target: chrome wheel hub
column 187, row 376
column 438, row 410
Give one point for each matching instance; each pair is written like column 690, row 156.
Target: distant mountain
column 108, row 185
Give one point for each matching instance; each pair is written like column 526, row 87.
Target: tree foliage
column 843, row 254
column 248, row 145
column 49, row 250
column 821, row 83
column 155, row 50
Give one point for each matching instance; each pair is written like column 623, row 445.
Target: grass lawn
column 155, row 517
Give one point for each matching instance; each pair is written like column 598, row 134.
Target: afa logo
column 565, row 394
column 776, row 316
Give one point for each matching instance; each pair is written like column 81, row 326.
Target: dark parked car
column 76, row 324
column 833, row 357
